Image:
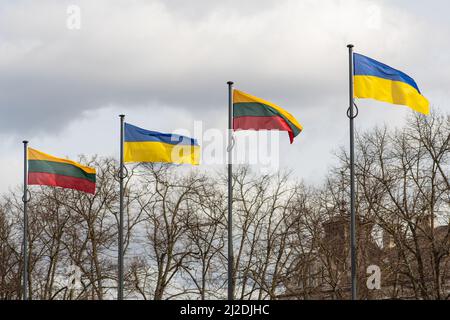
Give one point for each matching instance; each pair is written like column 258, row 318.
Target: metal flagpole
column 351, row 116
column 120, row 249
column 25, row 200
column 230, row 192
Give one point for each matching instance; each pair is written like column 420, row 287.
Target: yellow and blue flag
column 373, row 79
column 142, row 145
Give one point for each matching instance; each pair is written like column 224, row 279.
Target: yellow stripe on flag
column 34, row 154
column 390, row 91
column 151, row 151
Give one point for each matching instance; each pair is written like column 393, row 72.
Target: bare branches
column 290, row 240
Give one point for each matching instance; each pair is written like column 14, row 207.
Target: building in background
column 414, row 265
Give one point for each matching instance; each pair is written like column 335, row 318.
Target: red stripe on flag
column 262, row 123
column 55, row 180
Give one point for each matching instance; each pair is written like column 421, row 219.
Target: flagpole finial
column 25, row 141
column 350, row 46
column 122, row 115
column 230, row 82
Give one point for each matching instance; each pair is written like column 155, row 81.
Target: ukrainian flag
column 373, row 79
column 142, row 145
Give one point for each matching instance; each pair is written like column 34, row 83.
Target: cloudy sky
column 165, row 65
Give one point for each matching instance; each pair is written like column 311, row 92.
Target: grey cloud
column 166, row 63
column 181, row 53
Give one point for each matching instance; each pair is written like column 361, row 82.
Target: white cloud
column 166, row 60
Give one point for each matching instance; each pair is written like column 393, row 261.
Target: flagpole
column 230, row 192
column 351, row 116
column 25, row 220
column 120, row 246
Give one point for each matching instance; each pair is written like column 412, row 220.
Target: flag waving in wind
column 373, row 79
column 149, row 146
column 44, row 169
column 252, row 113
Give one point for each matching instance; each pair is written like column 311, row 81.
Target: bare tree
column 291, row 240
column 165, row 214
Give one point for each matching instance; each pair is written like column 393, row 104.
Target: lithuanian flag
column 252, row 113
column 46, row 170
